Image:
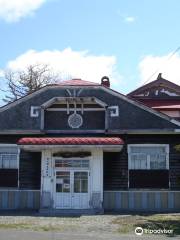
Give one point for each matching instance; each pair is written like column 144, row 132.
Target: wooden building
column 161, row 95
column 82, row 146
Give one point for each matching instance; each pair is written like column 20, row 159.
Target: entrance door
column 63, row 189
column 72, row 189
column 80, row 196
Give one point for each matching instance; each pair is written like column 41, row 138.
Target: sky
column 129, row 41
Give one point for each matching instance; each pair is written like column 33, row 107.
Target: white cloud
column 125, row 17
column 72, row 64
column 168, row 65
column 13, row 10
column 129, row 19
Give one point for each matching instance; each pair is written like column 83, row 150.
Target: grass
column 128, row 224
column 100, row 223
column 36, row 224
column 27, row 226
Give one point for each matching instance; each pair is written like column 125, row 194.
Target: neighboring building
column 81, row 145
column 161, row 95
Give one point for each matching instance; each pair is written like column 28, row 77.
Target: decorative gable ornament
column 114, row 111
column 34, row 112
column 75, row 120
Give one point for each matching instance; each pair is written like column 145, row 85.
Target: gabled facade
column 80, row 145
column 161, row 95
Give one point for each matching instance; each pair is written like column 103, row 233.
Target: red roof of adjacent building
column 161, row 104
column 156, row 83
column 71, row 141
column 77, row 82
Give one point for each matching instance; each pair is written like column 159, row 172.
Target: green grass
column 34, row 227
column 128, row 224
column 115, row 224
column 27, row 226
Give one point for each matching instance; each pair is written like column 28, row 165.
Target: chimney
column 105, row 81
column 159, row 76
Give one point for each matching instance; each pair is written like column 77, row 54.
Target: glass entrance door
column 80, row 196
column 72, row 189
column 63, row 189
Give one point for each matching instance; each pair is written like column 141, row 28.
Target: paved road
column 29, row 235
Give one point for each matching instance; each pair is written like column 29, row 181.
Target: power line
column 157, row 70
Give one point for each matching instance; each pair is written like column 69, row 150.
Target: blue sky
column 126, row 39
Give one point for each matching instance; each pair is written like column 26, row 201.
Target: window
column 81, row 182
column 148, row 156
column 8, row 157
column 66, row 163
column 63, row 182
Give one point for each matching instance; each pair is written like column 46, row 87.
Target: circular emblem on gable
column 75, row 120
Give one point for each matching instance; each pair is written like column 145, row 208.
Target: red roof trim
column 72, row 141
column 77, row 82
column 72, row 82
column 173, row 107
column 159, row 103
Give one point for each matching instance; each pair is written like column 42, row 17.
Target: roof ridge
column 77, row 81
column 156, row 82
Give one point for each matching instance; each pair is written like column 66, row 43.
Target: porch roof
column 115, row 141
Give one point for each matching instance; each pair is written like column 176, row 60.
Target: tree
column 21, row 83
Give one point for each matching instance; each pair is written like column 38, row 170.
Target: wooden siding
column 9, row 178
column 30, row 170
column 115, row 170
column 149, row 179
column 19, row 199
column 174, row 156
column 116, row 164
column 167, row 201
column 133, row 116
column 57, row 120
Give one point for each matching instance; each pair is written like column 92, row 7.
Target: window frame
column 18, row 154
column 72, row 158
column 148, row 145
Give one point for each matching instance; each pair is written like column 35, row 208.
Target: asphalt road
column 31, row 235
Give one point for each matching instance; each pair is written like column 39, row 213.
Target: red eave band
column 72, row 141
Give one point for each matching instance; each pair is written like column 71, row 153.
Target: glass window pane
column 80, row 182
column 148, row 149
column 138, row 161
column 5, row 162
column 66, row 187
column 9, row 161
column 84, row 186
column 77, row 186
column 140, row 155
column 58, row 187
column 77, row 163
column 1, row 161
column 71, row 163
column 58, row 163
column 158, row 161
column 8, row 150
column 85, row 163
column 63, row 181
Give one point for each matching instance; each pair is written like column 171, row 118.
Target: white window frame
column 71, row 158
column 148, row 145
column 18, row 154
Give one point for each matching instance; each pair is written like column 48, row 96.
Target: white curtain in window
column 8, row 157
column 148, row 157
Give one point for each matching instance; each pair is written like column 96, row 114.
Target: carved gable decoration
column 74, row 113
column 160, row 88
column 72, row 154
column 87, row 109
column 159, row 91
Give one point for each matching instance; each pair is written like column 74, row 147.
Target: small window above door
column 64, row 163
